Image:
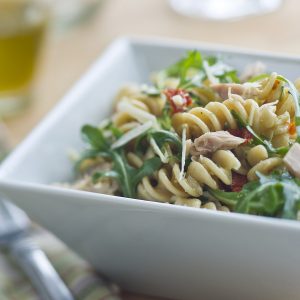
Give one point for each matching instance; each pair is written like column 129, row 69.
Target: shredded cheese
column 229, row 93
column 156, row 150
column 178, row 100
column 183, row 153
column 132, row 134
column 254, row 84
column 137, row 113
column 209, row 73
column 270, row 104
column 219, row 68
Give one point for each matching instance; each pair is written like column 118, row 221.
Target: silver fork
column 14, row 225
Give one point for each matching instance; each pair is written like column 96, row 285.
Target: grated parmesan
column 209, row 73
column 132, row 134
column 156, row 150
column 183, row 153
column 137, row 113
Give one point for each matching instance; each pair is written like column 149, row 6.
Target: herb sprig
column 161, row 138
column 276, row 195
column 257, row 140
column 126, row 176
column 193, row 62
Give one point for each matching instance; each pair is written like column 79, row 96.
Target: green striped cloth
column 82, row 280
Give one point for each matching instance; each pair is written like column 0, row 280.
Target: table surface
column 66, row 56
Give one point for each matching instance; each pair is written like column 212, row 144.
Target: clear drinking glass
column 224, row 9
column 22, row 27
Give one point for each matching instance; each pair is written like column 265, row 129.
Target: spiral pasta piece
column 130, row 113
column 217, row 116
column 201, row 120
column 166, row 185
column 208, row 171
column 257, row 154
column 265, row 167
column 269, row 90
column 133, row 107
column 153, row 104
column 273, row 90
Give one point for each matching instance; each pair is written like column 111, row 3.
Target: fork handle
column 36, row 265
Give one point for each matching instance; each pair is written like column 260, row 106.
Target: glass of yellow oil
column 22, row 28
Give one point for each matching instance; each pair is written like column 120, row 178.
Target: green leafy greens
column 161, row 137
column 193, row 60
column 276, row 195
column 191, row 72
column 126, row 176
column 165, row 118
column 257, row 140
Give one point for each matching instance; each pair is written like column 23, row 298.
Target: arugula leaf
column 228, row 198
column 276, row 195
column 127, row 176
column 212, row 60
column 257, row 140
column 89, row 154
column 165, row 119
column 161, row 137
column 148, row 167
column 124, row 170
column 117, row 133
column 108, row 174
column 193, row 59
column 229, row 77
column 94, row 137
column 240, row 122
column 258, row 77
column 266, row 199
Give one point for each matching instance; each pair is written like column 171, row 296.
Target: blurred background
column 65, row 38
column 46, row 45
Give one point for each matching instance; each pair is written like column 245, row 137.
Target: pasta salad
column 200, row 135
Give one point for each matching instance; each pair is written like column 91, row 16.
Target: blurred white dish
column 149, row 247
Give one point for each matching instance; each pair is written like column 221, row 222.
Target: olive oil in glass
column 22, row 27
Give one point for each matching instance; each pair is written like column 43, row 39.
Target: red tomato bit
column 238, row 181
column 184, row 99
column 242, row 133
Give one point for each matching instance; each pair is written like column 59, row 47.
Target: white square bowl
column 148, row 247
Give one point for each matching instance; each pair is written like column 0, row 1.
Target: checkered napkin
column 81, row 279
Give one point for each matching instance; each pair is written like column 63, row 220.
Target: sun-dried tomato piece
column 242, row 133
column 178, row 98
column 238, row 181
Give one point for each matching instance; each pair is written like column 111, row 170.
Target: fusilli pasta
column 197, row 137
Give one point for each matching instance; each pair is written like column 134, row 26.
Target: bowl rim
column 161, row 207
column 16, row 155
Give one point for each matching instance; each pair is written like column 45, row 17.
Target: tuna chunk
column 292, row 160
column 213, row 141
column 244, row 90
